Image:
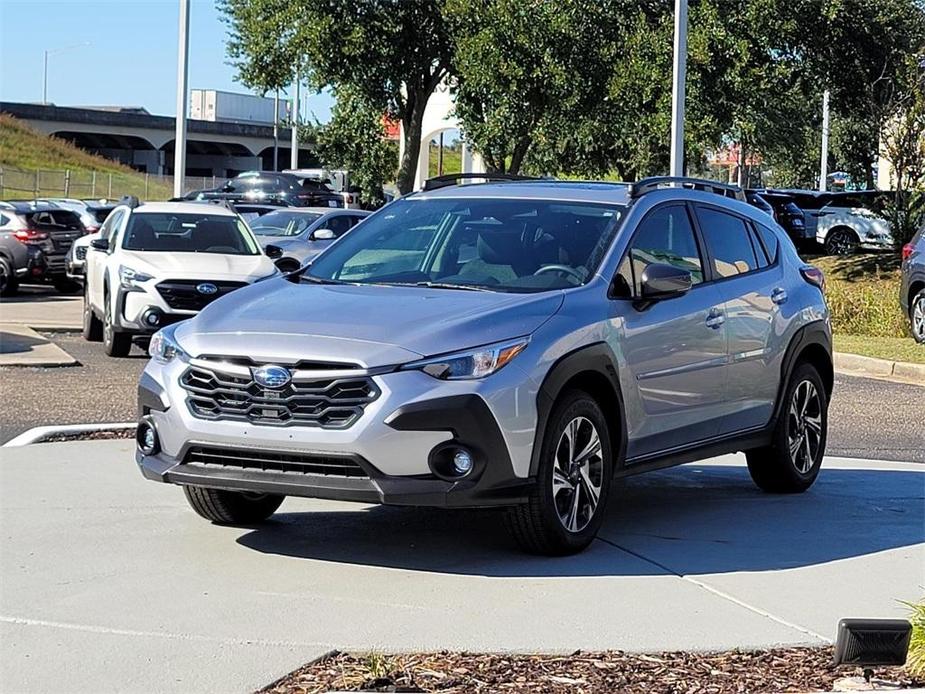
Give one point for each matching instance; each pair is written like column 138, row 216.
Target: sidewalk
column 111, row 582
column 22, row 346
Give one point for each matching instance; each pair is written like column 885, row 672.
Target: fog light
column 152, row 318
column 462, row 462
column 146, row 438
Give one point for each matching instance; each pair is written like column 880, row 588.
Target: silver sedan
column 303, row 232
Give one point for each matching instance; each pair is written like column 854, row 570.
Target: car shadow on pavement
column 12, row 343
column 691, row 520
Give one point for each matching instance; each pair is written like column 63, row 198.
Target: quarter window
column 769, row 241
column 728, row 243
column 667, row 237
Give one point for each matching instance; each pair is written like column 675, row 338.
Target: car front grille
column 183, row 295
column 274, row 461
column 80, row 253
column 329, row 403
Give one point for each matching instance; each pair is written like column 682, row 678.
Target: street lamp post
column 51, row 51
column 294, row 116
column 824, row 158
column 179, row 150
column 678, row 88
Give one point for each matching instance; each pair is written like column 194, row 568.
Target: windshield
column 284, row 223
column 188, row 233
column 503, row 245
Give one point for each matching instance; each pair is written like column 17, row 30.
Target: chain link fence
column 47, row 183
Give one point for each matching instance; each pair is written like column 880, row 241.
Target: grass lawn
column 863, row 294
column 892, row 348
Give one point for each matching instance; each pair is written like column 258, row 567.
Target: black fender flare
column 596, row 358
column 815, row 333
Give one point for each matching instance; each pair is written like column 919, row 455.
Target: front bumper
column 395, row 442
column 133, row 303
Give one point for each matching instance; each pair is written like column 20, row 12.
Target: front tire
column 224, row 507
column 791, row 463
column 115, row 344
column 9, row 285
column 92, row 326
column 917, row 316
column 567, row 504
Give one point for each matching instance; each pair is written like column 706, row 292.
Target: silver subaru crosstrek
column 505, row 343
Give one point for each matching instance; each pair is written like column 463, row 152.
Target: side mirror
column 100, row 244
column 273, row 251
column 322, row 235
column 661, row 281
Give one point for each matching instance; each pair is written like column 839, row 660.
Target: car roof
column 23, row 206
column 571, row 191
column 320, row 210
column 183, row 208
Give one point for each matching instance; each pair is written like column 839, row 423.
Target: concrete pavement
column 111, row 582
column 43, row 308
column 22, row 346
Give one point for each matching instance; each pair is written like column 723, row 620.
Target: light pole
column 294, row 117
column 678, row 88
column 52, row 51
column 276, row 131
column 179, row 150
column 824, row 158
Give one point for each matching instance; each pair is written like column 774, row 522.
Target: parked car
column 303, row 232
column 810, row 203
column 789, row 215
column 337, row 180
column 50, row 230
column 16, row 260
column 158, row 263
column 852, row 221
column 92, row 213
column 269, row 186
column 912, row 286
column 514, row 344
column 756, row 200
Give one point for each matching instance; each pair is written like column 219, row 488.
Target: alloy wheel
column 804, row 434
column 918, row 317
column 578, row 474
column 107, row 323
column 840, row 243
column 4, row 278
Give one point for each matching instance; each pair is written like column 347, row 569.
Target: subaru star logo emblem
column 206, row 288
column 272, row 376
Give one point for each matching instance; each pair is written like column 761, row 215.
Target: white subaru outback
column 159, row 263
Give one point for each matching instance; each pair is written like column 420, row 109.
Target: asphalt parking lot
column 111, row 583
column 868, row 418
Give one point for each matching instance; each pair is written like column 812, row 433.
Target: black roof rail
column 131, row 201
column 647, row 185
column 454, row 178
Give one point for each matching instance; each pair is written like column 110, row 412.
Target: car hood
column 205, row 266
column 370, row 325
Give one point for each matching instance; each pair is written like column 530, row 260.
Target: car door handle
column 715, row 319
column 779, row 295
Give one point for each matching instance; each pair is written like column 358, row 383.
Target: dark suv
column 789, row 215
column 912, row 290
column 49, row 231
column 269, row 186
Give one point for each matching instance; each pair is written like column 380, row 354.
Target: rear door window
column 728, row 243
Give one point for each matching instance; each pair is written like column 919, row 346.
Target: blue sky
column 131, row 59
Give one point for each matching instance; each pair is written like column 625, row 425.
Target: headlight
column 164, row 347
column 131, row 278
column 476, row 363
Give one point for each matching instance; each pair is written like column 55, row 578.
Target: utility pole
column 824, row 159
column 50, row 51
column 294, row 156
column 678, row 88
column 276, row 131
column 179, row 150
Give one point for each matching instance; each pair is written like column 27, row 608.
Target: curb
column 39, row 434
column 884, row 369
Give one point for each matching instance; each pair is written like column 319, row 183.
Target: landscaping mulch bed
column 92, row 435
column 776, row 670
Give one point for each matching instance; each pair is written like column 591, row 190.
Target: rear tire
column 917, row 316
column 114, row 343
column 841, row 241
column 92, row 326
column 791, row 463
column 224, row 507
column 9, row 285
column 567, row 504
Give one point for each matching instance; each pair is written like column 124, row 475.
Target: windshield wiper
column 319, row 280
column 448, row 285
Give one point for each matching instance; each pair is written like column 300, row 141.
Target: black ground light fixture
column 872, row 642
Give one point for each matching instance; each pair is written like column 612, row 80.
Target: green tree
column 354, row 139
column 391, row 53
